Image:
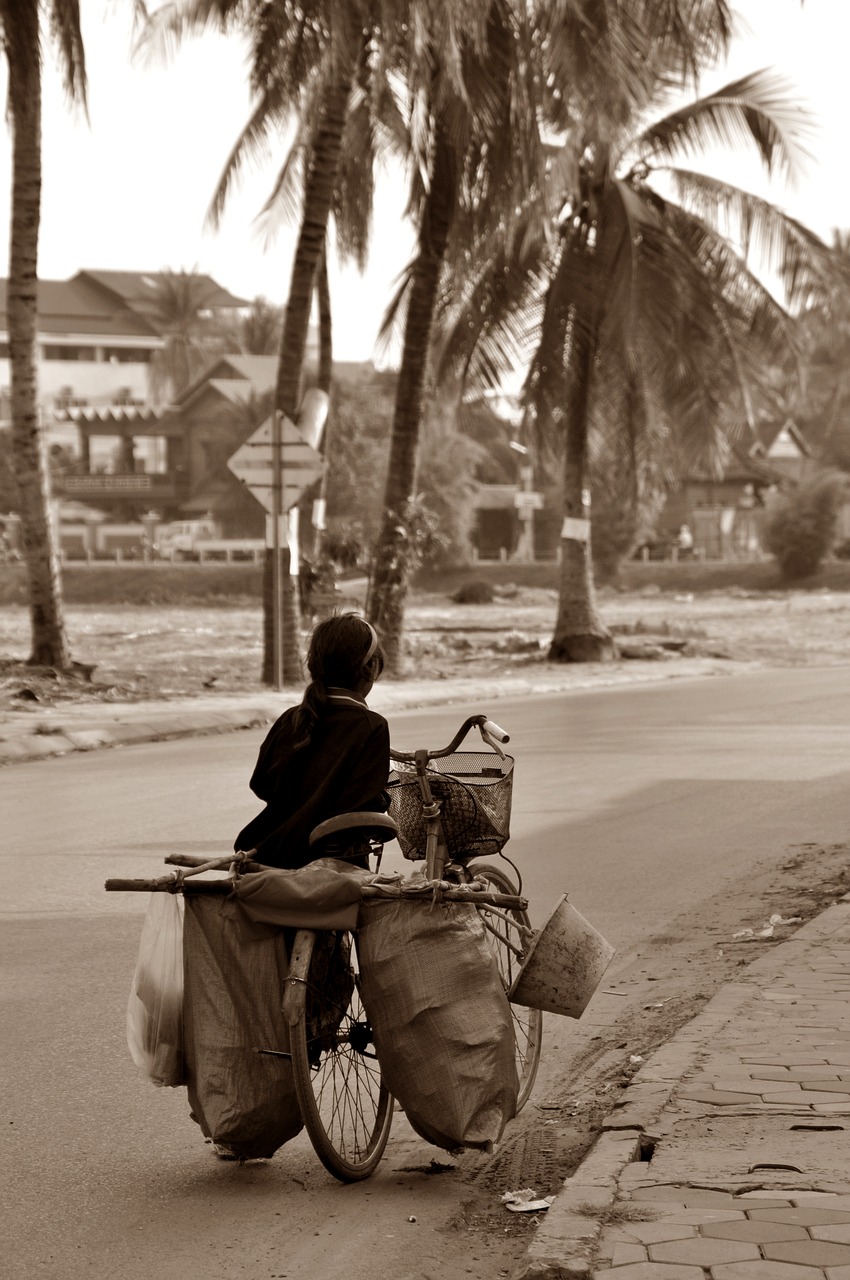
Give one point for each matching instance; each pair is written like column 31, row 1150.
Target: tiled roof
column 73, row 307
column 136, row 288
column 259, row 373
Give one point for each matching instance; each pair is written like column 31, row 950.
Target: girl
column 328, row 755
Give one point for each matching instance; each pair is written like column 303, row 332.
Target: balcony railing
column 122, row 484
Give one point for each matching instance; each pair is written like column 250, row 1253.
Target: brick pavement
column 729, row 1158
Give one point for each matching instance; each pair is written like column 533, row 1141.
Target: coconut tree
column 481, row 159
column 302, row 59
column 176, row 307
column 335, row 67
column 819, row 402
column 21, row 40
column 473, row 145
column 650, row 279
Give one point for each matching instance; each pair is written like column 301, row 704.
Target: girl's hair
column 344, row 651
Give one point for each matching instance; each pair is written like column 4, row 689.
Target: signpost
column 254, row 464
column 526, row 501
column 277, row 464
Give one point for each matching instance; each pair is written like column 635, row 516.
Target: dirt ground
column 145, row 651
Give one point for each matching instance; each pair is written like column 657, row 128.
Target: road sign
column 253, row 464
column 525, row 501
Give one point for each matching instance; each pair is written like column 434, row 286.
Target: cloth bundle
column 234, row 973
column 441, row 1019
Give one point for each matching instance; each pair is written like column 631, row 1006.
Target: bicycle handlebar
column 490, row 726
column 489, row 730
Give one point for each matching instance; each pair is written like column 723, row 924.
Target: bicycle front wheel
column 346, row 1108
column 528, row 1023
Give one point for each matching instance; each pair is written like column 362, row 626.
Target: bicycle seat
column 379, row 827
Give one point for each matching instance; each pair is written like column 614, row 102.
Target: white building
column 97, row 334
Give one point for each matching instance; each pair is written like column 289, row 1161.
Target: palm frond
column 64, row 22
column 767, row 238
column 355, row 186
column 757, row 110
column 162, row 32
column 284, row 203
column 271, row 115
column 390, row 334
column 481, row 332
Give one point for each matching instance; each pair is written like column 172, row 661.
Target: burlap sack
column 234, row 972
column 441, row 1019
column 323, row 895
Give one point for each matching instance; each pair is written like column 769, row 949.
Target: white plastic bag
column 155, row 1007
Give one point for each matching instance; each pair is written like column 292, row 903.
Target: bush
column 475, row 592
column 803, row 530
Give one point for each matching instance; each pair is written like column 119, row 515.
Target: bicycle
column 346, row 1108
column 450, row 807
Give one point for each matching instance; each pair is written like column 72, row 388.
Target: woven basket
column 474, row 792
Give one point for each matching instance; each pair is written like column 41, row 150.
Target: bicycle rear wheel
column 528, row 1023
column 346, row 1108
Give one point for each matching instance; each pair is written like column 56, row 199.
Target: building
column 174, row 459
column 97, row 335
column 726, row 512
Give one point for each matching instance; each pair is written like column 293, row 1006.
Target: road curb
column 564, row 1243
column 51, row 740
column 38, row 736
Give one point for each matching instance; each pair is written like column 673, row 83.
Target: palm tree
column 21, row 39
column 176, row 308
column 665, row 290
column 303, row 63
column 473, row 143
column 481, row 151
column 649, row 285
column 819, row 401
column 333, row 65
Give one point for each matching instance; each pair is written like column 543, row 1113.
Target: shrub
column 475, row 592
column 803, row 529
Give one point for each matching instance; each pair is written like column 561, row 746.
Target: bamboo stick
column 426, row 894
column 167, row 885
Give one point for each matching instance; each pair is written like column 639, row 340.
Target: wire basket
column 474, row 792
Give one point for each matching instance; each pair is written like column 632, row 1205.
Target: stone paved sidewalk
column 729, row 1157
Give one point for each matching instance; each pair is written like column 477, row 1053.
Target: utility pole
column 277, row 578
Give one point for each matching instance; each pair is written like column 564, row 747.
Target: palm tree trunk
column 394, row 558
column 318, row 194
column 580, row 635
column 326, row 349
column 49, row 644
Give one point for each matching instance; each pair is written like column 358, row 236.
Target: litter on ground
column 525, row 1201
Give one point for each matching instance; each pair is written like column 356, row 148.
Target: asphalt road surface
column 640, row 802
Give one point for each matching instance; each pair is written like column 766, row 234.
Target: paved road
column 640, row 802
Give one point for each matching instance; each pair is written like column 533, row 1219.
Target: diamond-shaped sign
column 252, row 463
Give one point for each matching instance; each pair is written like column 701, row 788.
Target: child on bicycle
column 329, row 755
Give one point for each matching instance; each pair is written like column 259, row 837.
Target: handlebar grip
column 490, row 726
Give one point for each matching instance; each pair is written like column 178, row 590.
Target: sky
column 130, row 188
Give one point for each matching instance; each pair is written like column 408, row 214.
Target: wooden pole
column 277, row 585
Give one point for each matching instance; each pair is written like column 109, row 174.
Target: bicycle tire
column 528, row 1023
column 347, row 1110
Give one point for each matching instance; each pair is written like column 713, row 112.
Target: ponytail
column 309, row 712
column 344, row 652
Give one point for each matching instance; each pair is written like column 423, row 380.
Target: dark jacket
column 345, row 768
